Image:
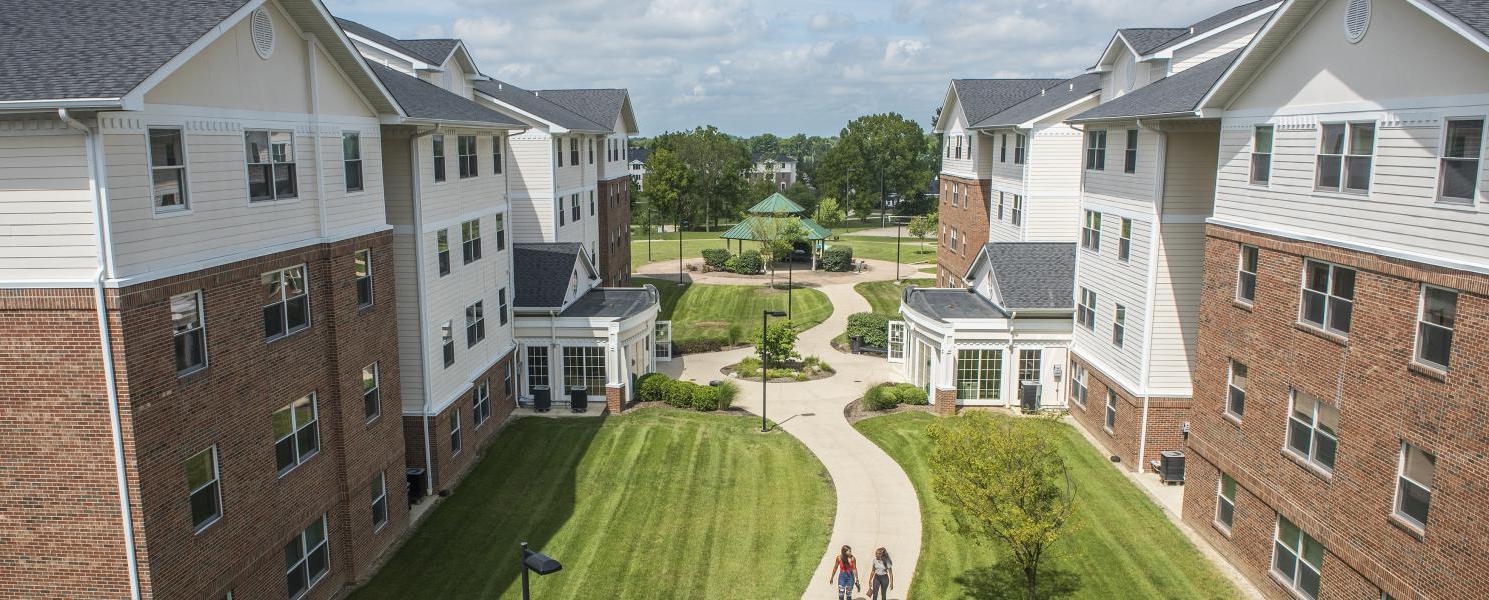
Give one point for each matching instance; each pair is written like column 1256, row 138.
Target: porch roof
column 617, row 303
column 952, row 303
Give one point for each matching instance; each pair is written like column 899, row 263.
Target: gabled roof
column 776, row 203
column 951, row 303
column 1218, row 20
column 388, row 41
column 108, row 53
column 424, row 101
column 602, row 106
column 1031, row 275
column 1175, row 95
column 1047, row 101
column 1473, row 13
column 1145, row 40
column 543, row 280
column 530, row 105
column 983, row 98
column 636, row 153
column 438, row 49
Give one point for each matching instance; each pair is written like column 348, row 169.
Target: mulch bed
column 855, row 412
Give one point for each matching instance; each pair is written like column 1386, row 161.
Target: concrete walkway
column 876, row 504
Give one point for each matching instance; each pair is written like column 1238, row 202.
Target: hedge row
column 656, row 387
column 874, row 328
column 747, row 263
column 838, row 259
column 889, row 395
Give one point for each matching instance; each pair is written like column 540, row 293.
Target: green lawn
column 657, row 503
column 1123, row 548
column 664, row 247
column 710, row 316
column 884, row 296
column 882, row 248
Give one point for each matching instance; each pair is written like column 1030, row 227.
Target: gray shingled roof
column 1474, row 13
column 542, row 278
column 638, row 153
column 1216, row 20
column 435, row 49
column 983, row 98
column 617, row 303
column 97, row 49
column 954, row 303
column 383, row 39
column 602, row 106
column 422, row 100
column 1148, row 39
column 542, row 108
column 1173, row 95
column 1034, row 274
column 1043, row 103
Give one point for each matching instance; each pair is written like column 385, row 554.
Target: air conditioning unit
column 1171, row 467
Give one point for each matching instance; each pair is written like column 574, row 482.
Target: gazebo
column 771, row 214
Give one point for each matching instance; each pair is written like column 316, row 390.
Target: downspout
column 93, row 150
column 1158, row 179
column 315, row 135
column 420, row 270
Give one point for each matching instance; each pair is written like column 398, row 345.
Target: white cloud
column 827, row 21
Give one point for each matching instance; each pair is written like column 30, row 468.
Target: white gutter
column 419, row 270
column 96, row 184
column 1153, row 240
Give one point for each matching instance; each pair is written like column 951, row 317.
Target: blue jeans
column 845, row 585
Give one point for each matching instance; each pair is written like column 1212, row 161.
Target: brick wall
column 970, row 218
column 1382, row 402
column 449, row 468
column 615, row 220
column 945, row 402
column 1166, row 417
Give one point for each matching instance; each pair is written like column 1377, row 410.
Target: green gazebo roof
column 745, row 230
column 776, row 204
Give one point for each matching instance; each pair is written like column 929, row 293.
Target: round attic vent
column 1356, row 20
column 261, row 28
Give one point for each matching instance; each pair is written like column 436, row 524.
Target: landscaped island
column 709, row 317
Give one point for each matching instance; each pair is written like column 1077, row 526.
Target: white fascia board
column 49, row 105
column 1039, row 119
column 1169, row 51
column 550, row 126
column 939, row 126
column 418, row 64
column 1453, row 23
column 1246, row 52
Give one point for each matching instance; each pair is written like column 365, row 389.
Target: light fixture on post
column 765, row 316
column 537, row 562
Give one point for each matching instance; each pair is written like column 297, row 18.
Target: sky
column 776, row 66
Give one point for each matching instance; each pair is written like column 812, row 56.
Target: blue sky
column 779, row 66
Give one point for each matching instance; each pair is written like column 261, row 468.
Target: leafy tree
column 828, row 213
column 765, row 145
column 716, row 163
column 778, row 237
column 1005, row 480
column 880, row 155
column 668, row 181
column 922, row 226
column 802, row 194
column 780, row 341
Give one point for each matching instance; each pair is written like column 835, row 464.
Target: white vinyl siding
column 46, row 218
column 1176, row 301
column 1053, row 184
column 1216, row 45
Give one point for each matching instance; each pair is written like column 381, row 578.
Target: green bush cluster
column 838, row 259
column 873, row 327
column 656, row 387
column 747, row 263
column 715, row 258
column 812, row 365
column 889, row 395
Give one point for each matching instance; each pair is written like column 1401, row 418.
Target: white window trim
column 295, row 427
column 383, row 497
column 361, row 161
column 216, row 480
column 1230, row 384
column 371, row 288
column 377, row 386
column 1220, row 497
column 1241, row 268
column 309, row 309
column 185, row 208
column 457, row 436
column 305, row 556
column 1292, row 585
column 1119, row 324
column 201, row 316
column 1303, row 291
column 1110, row 412
column 1318, row 146
column 1416, row 346
column 248, row 189
column 1396, row 511
column 1251, row 157
column 475, row 317
column 481, row 395
column 1313, row 433
column 1442, row 147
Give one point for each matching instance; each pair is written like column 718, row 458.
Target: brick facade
column 969, row 219
column 449, row 468
column 615, row 232
column 945, row 402
column 1382, row 400
column 615, row 399
column 167, row 419
column 1166, row 418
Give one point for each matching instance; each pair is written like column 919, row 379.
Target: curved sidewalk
column 876, row 504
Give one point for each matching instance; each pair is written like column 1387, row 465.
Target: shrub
column 876, row 398
column 907, row 393
column 728, row 390
column 749, row 367
column 746, row 263
column 872, row 326
column 698, row 346
column 715, row 258
column 678, row 393
column 837, row 259
column 889, row 395
column 650, row 386
column 780, row 340
column 705, row 397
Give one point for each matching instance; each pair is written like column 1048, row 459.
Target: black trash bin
column 542, row 399
column 416, row 485
column 579, row 399
column 855, row 344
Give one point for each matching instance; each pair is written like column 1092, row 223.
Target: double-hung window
column 1002, row 147
column 439, row 157
column 378, row 490
column 574, row 209
column 1246, row 274
column 1261, row 154
column 591, row 152
column 351, row 160
column 447, row 342
column 188, row 332
column 470, row 241
column 496, row 155
column 306, row 558
column 371, row 396
column 271, row 165
column 1328, row 296
column 501, row 305
column 1119, row 326
column 203, row 487
column 442, row 250
column 958, row 152
column 1235, row 396
column 1435, row 321
column 1312, row 429
column 1129, row 155
column 1091, row 231
column 296, row 433
column 475, row 323
column 501, row 232
column 481, row 402
column 507, row 382
column 1297, row 558
column 1096, row 150
column 979, row 374
column 465, row 153
column 1345, row 154
column 1225, row 501
column 1017, row 217
column 1111, row 409
column 1078, row 387
column 574, row 151
column 1085, row 313
column 1000, row 206
column 558, row 150
column 167, row 169
column 1124, row 243
column 1414, row 485
column 455, row 440
column 591, row 203
column 1461, row 147
column 286, row 302
column 1020, row 142
column 362, row 271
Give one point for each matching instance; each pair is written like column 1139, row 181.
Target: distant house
column 780, row 169
column 637, row 165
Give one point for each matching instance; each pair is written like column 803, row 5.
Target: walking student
column 845, row 572
column 881, row 580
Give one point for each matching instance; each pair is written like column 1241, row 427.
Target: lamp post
column 790, row 271
column 537, row 562
column 765, row 360
column 897, row 224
